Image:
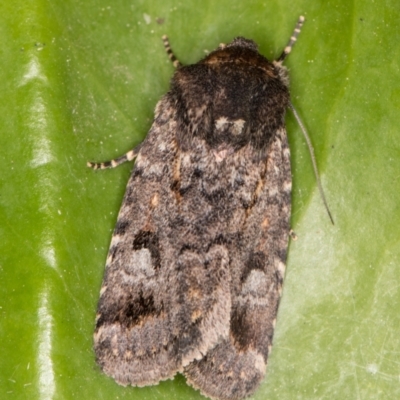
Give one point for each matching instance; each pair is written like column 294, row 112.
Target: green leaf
column 79, row 81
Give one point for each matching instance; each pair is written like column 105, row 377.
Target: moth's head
column 239, row 51
column 241, row 42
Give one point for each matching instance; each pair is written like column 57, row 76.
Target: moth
column 196, row 264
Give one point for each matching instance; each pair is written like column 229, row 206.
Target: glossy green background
column 79, row 81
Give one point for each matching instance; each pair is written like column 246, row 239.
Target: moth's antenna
column 314, row 163
column 175, row 62
column 292, row 40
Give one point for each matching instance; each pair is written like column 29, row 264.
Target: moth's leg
column 129, row 156
column 175, row 62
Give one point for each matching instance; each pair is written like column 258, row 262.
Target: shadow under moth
column 196, row 264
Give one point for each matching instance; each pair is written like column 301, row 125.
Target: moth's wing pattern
column 153, row 315
column 235, row 367
column 133, row 341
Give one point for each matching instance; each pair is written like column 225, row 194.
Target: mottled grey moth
column 196, row 264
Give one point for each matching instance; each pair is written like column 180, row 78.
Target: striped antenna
column 292, row 40
column 176, row 63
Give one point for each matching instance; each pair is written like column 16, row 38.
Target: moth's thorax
column 232, row 97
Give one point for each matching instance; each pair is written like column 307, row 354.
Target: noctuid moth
column 196, row 263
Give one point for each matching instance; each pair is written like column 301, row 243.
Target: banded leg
column 129, row 156
column 175, row 62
